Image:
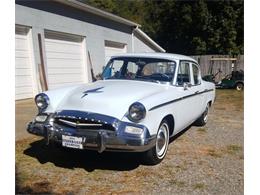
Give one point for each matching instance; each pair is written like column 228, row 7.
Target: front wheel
column 156, row 154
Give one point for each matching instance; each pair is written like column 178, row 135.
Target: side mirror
column 186, row 85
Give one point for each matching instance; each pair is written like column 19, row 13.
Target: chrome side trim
column 179, row 99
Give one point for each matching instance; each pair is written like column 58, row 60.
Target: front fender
column 56, row 96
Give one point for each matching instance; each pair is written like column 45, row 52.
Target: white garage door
column 65, row 59
column 23, row 64
column 113, row 48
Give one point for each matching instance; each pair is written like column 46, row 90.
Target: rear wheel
column 239, row 86
column 156, row 154
column 203, row 119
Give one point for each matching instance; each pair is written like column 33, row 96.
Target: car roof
column 156, row 55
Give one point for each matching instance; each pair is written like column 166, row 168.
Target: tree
column 187, row 27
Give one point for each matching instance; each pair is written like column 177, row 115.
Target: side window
column 195, row 70
column 183, row 73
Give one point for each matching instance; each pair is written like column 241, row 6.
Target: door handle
column 196, row 92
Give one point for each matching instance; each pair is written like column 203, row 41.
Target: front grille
column 83, row 124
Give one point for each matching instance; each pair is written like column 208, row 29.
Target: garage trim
column 70, row 40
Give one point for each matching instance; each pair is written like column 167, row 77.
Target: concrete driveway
column 25, row 110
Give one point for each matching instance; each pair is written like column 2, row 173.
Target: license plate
column 72, row 142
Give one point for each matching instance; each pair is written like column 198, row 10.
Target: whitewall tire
column 156, row 154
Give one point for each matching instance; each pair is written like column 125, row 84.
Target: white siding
column 23, row 66
column 65, row 60
column 141, row 46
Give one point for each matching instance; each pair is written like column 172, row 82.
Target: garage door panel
column 55, row 63
column 22, row 54
column 23, row 90
column 63, row 42
column 21, row 62
column 62, row 78
column 64, row 55
column 23, row 66
column 21, row 44
column 23, row 81
column 62, row 47
column 67, row 56
column 64, row 71
column 23, row 72
column 62, row 84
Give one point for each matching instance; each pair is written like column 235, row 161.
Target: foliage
column 188, row 27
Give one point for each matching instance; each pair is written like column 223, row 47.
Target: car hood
column 109, row 97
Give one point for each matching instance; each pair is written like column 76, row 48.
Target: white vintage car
column 143, row 100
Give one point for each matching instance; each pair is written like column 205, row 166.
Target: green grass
column 233, row 149
column 177, row 183
column 214, row 153
column 199, row 186
column 202, row 130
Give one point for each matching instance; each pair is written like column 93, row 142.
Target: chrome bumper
column 100, row 140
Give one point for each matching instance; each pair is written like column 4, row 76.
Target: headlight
column 136, row 112
column 42, row 101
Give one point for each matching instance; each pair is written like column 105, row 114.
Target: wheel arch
column 171, row 123
column 237, row 82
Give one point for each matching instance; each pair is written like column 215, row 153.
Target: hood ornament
column 85, row 93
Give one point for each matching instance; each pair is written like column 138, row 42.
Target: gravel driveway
column 206, row 160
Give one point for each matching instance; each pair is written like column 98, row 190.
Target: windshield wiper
column 149, row 80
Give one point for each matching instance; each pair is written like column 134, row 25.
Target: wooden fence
column 224, row 63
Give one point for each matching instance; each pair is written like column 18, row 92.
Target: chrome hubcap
column 162, row 140
column 206, row 114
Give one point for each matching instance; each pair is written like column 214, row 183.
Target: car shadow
column 86, row 159
column 180, row 133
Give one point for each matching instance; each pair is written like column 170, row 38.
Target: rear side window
column 195, row 71
column 183, row 73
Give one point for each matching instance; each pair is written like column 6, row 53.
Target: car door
column 185, row 105
column 197, row 89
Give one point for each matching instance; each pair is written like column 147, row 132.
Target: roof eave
column 93, row 10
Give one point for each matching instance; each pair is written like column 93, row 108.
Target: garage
column 54, row 38
column 23, row 63
column 66, row 59
column 113, row 48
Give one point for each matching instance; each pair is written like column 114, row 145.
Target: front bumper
column 101, row 139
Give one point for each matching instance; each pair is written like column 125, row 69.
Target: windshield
column 134, row 68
